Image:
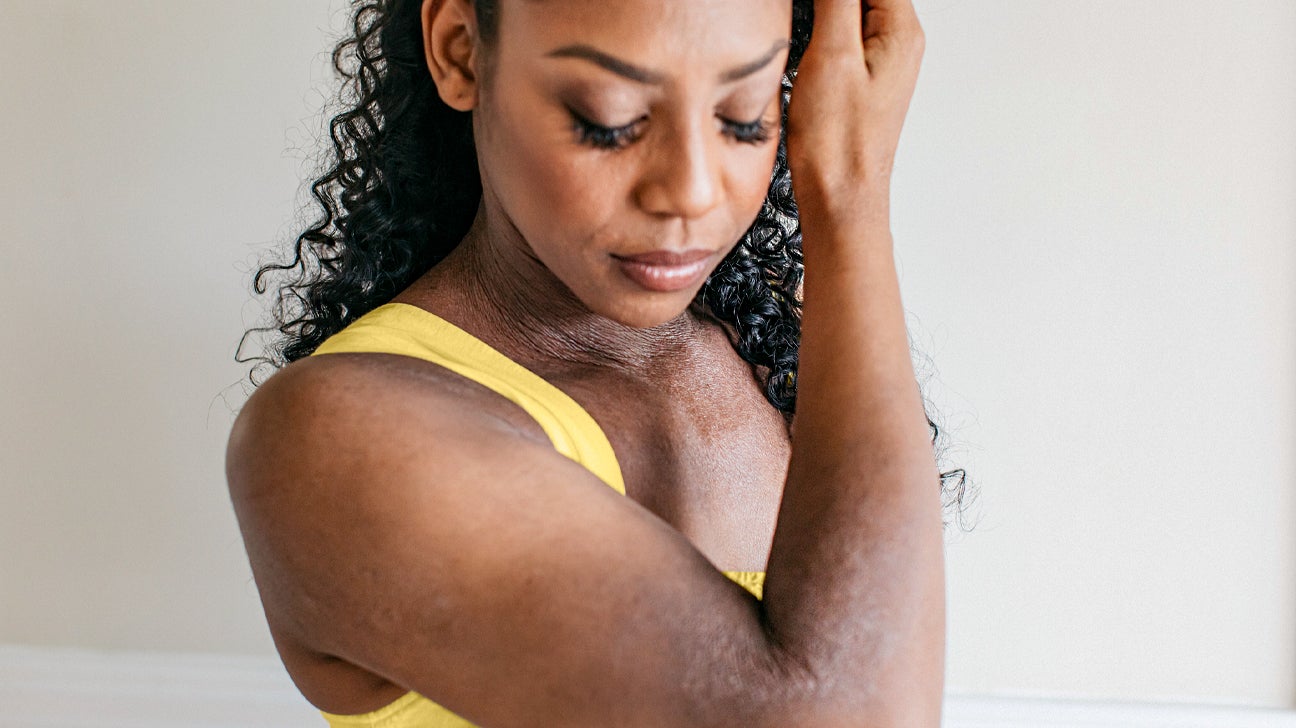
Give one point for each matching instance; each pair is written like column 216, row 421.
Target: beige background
column 1095, row 206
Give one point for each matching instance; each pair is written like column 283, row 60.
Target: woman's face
column 690, row 92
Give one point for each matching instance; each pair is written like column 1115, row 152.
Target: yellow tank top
column 400, row 328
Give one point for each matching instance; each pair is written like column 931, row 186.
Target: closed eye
column 618, row 137
column 750, row 132
column 604, row 137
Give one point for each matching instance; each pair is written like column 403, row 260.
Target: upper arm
column 489, row 573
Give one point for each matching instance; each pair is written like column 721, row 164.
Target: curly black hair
column 404, row 186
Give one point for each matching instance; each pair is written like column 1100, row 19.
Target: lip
column 666, row 271
column 668, row 257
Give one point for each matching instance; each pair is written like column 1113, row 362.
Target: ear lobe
column 450, row 50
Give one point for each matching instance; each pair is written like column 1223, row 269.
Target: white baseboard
column 1002, row 711
column 56, row 687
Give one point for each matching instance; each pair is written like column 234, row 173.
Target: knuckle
column 915, row 42
column 914, row 34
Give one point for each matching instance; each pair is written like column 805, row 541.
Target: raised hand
column 848, row 104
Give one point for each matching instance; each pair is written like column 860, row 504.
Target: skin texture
column 554, row 210
column 534, row 277
column 409, row 529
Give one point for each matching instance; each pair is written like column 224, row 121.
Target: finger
column 837, row 25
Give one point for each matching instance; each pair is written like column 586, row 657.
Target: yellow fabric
column 399, row 328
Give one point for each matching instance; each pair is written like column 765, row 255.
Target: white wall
column 1095, row 207
column 144, row 166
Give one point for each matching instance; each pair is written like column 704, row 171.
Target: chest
column 705, row 452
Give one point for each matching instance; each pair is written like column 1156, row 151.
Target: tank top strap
column 401, row 328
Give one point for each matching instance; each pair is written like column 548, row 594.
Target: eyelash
column 613, row 138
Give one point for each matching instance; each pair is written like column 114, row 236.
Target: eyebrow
column 648, row 76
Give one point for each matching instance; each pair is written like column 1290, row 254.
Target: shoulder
column 331, row 453
column 309, row 403
column 326, row 419
column 398, row 531
column 340, row 428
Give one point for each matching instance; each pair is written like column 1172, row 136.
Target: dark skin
column 411, row 530
column 534, row 277
column 697, row 442
column 710, row 462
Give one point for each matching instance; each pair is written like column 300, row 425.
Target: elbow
column 894, row 712
column 823, row 700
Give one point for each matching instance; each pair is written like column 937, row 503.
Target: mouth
column 665, row 271
column 668, row 257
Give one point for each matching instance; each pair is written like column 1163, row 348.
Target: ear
column 450, row 47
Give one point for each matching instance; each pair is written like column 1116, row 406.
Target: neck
column 497, row 286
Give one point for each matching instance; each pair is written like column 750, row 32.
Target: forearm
column 855, row 583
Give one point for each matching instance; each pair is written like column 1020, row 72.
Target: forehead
column 665, row 34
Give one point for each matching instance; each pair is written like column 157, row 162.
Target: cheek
column 544, row 187
column 749, row 186
column 563, row 198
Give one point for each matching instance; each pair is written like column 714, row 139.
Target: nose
column 682, row 177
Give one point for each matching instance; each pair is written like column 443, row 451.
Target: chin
column 643, row 304
column 641, row 312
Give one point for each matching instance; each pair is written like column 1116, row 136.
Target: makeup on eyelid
column 582, row 115
column 755, row 133
column 603, row 103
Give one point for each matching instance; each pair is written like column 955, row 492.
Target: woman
column 559, row 254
